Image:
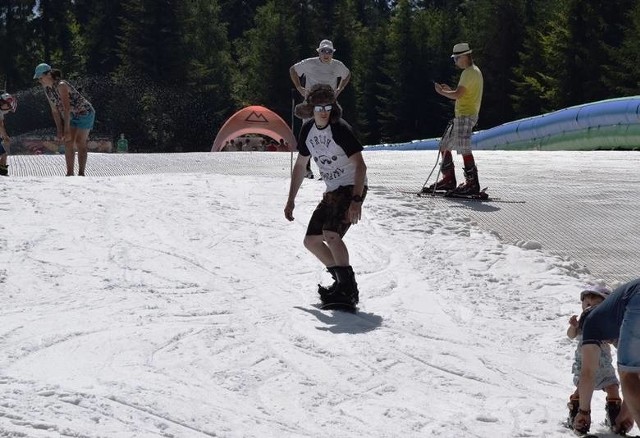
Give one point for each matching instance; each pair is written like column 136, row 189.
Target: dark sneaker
column 612, row 408
column 4, row 170
column 573, row 406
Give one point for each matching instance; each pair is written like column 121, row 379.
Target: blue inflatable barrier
column 606, row 124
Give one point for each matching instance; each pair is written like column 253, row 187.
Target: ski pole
column 446, row 132
column 431, row 173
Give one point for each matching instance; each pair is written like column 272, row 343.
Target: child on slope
column 8, row 104
column 606, row 379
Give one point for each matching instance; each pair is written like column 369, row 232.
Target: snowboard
column 342, row 307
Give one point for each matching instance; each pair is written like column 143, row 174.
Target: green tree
column 366, row 76
column 100, row 23
column 436, row 31
column 152, row 72
column 624, row 74
column 397, row 111
column 209, row 79
column 494, row 30
column 265, row 54
column 19, row 45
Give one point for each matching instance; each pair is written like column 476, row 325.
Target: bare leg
column 328, row 248
column 69, row 156
column 81, row 136
column 337, row 247
column 631, row 391
column 612, row 392
column 317, row 246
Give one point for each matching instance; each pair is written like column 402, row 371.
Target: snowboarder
column 606, row 378
column 616, row 320
column 331, row 142
column 468, row 97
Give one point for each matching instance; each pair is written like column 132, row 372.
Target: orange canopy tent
column 254, row 120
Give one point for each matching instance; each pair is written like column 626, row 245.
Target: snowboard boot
column 573, row 406
column 471, row 185
column 326, row 291
column 4, row 170
column 612, row 408
column 346, row 290
column 448, row 181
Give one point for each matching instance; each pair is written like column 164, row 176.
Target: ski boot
column 326, row 291
column 471, row 185
column 345, row 290
column 448, row 181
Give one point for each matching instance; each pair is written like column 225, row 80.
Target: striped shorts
column 458, row 135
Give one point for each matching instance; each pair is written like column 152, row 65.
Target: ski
column 482, row 195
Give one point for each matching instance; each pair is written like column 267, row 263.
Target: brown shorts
column 330, row 214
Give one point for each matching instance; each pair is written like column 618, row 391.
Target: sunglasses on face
column 321, row 108
column 326, row 51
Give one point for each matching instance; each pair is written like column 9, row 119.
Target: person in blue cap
column 72, row 113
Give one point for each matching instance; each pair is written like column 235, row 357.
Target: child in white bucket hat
column 606, row 379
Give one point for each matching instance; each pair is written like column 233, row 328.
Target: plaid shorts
column 330, row 214
column 458, row 135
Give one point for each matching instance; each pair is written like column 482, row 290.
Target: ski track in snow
column 164, row 306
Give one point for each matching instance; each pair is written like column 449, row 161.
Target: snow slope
column 164, row 306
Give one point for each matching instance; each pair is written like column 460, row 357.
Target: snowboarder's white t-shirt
column 331, row 148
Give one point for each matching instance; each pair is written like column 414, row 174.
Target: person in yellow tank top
column 468, row 97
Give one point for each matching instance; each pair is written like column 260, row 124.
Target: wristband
column 584, row 411
column 356, row 198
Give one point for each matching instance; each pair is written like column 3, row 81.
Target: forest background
column 168, row 73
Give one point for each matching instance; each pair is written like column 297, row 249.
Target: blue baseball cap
column 41, row 69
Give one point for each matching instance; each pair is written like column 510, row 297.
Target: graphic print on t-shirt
column 335, row 167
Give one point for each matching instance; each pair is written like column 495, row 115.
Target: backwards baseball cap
column 461, row 49
column 596, row 289
column 41, row 69
column 325, row 44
